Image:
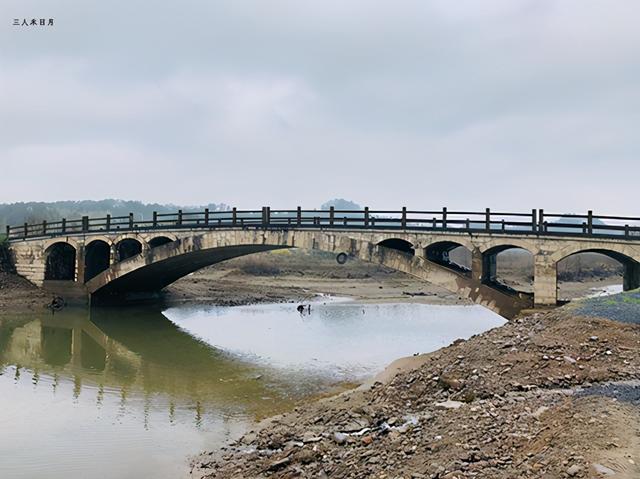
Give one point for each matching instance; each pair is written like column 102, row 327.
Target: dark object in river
column 57, row 303
column 300, row 308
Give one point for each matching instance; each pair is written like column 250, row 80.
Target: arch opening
column 97, row 259
column 451, row 255
column 399, row 245
column 159, row 241
column 508, row 267
column 61, row 262
column 595, row 273
column 127, row 248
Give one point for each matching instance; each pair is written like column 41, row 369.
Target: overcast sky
column 467, row 104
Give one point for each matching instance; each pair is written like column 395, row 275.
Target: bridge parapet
column 535, row 222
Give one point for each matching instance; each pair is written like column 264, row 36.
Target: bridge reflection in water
column 136, row 355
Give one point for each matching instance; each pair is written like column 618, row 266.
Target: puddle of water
column 605, row 291
column 130, row 393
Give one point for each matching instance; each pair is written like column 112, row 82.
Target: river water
column 131, row 393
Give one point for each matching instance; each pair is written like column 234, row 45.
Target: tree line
column 33, row 212
column 36, row 212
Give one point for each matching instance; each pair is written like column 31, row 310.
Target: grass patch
column 623, row 307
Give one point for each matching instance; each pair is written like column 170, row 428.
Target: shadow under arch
column 128, row 248
column 143, row 283
column 398, row 244
column 159, row 241
column 451, row 255
column 60, row 264
column 96, row 258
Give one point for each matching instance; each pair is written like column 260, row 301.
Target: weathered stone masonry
column 168, row 255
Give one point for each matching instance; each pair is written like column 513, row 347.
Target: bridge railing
column 535, row 222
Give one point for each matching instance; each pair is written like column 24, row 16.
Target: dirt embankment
column 519, row 401
column 19, row 295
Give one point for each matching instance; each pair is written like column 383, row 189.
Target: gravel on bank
column 624, row 307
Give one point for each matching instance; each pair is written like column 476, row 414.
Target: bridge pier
column 477, row 265
column 545, row 281
column 80, row 263
column 631, row 276
column 489, row 268
column 113, row 254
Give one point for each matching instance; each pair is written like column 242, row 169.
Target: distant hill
column 36, row 212
column 341, row 204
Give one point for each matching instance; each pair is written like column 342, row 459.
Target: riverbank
column 523, row 400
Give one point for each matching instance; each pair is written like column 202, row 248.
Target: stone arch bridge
column 113, row 257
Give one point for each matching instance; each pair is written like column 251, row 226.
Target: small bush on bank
column 6, row 265
column 259, row 267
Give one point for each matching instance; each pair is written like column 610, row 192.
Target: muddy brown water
column 130, row 393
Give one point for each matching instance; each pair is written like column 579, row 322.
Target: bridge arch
column 60, row 262
column 512, row 273
column 398, row 244
column 504, row 244
column 622, row 250
column 443, row 253
column 630, row 265
column 127, row 248
column 156, row 241
column 50, row 242
column 97, row 258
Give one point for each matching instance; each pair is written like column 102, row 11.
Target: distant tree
column 35, row 212
column 341, row 204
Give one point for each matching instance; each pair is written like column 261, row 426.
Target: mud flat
column 545, row 396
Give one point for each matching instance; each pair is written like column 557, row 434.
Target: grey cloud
column 508, row 104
